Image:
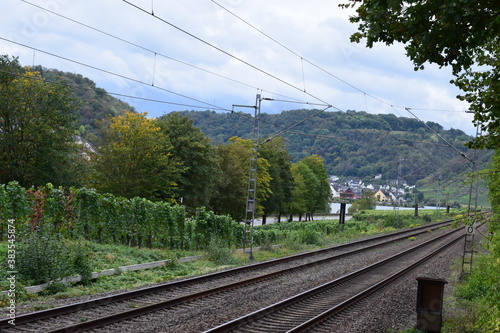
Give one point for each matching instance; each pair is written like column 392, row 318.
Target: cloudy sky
column 213, row 54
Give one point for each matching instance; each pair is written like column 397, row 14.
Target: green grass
column 293, row 237
column 476, row 299
column 105, row 256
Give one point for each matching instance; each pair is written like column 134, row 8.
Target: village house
column 383, row 196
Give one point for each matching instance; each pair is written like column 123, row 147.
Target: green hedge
column 105, row 218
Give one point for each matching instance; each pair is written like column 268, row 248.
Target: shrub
column 81, row 264
column 310, row 237
column 293, row 242
column 43, row 257
column 220, row 254
column 480, row 291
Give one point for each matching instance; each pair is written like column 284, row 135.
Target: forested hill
column 95, row 103
column 354, row 144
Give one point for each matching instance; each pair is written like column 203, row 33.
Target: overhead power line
column 439, row 136
column 112, row 73
column 108, row 92
column 225, row 52
column 155, row 52
column 302, row 59
column 295, row 125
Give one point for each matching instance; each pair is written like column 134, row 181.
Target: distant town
column 353, row 189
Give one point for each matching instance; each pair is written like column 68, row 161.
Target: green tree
column 304, row 184
column 311, row 192
column 321, row 196
column 482, row 91
column 462, row 34
column 281, row 184
column 198, row 157
column 367, row 202
column 494, row 193
column 37, row 126
column 230, row 193
column 134, row 160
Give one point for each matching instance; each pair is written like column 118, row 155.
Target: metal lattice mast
column 252, row 182
column 397, row 199
column 468, row 254
column 438, row 197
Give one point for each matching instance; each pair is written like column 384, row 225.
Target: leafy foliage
column 482, row 90
column 105, row 218
column 94, row 103
column 281, row 183
column 311, row 192
column 44, row 257
column 481, row 294
column 353, row 144
column 231, row 192
column 200, row 163
column 367, row 202
column 462, row 34
column 37, row 124
column 134, row 159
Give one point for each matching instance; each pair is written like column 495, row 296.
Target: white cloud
column 316, row 30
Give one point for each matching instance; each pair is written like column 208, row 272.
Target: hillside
column 354, row 144
column 362, row 145
column 95, row 103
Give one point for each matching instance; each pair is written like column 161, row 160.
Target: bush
column 480, row 295
column 81, row 264
column 220, row 254
column 293, row 242
column 43, row 257
column 310, row 237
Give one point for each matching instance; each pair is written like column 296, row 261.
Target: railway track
column 103, row 311
column 309, row 309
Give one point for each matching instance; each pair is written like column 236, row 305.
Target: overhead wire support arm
column 433, row 131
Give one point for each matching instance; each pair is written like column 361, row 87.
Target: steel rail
column 367, row 292
column 238, row 322
column 121, row 316
column 39, row 315
column 173, row 302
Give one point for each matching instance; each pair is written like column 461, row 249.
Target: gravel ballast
column 393, row 309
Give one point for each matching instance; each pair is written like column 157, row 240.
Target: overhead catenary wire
column 303, row 59
column 112, row 73
column 156, row 53
column 295, row 125
column 109, row 92
column 433, row 131
column 226, row 52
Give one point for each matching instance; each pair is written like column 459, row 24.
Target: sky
column 163, row 56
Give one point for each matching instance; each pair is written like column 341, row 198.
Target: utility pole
column 438, row 199
column 252, row 181
column 397, row 200
column 471, row 227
